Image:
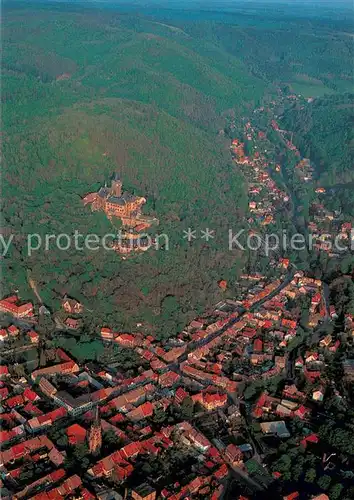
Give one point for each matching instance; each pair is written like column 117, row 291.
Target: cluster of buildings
column 183, row 397
column 85, row 403
column 24, row 411
column 18, row 332
column 286, row 137
column 305, row 170
column 12, row 305
column 116, row 203
column 330, row 233
column 69, row 316
column 265, row 198
column 200, row 373
column 12, row 332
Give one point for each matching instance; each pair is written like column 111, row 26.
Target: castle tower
column 116, row 186
column 95, row 434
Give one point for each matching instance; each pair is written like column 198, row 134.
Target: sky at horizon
column 339, row 9
column 201, row 3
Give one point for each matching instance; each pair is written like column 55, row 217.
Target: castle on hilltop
column 118, row 203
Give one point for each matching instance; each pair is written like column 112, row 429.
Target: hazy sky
column 232, row 3
column 205, row 4
column 229, row 3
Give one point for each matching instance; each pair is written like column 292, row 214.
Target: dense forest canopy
column 324, row 132
column 149, row 93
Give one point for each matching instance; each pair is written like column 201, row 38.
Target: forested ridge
column 324, row 133
column 87, row 95
column 149, row 94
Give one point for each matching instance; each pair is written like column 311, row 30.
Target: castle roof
column 117, row 200
column 122, row 200
column 103, row 192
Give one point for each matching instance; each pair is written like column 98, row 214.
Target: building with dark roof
column 144, row 492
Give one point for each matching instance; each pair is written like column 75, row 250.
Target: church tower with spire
column 95, row 434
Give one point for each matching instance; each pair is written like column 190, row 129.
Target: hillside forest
column 150, row 94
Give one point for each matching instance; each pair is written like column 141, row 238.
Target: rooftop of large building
column 122, row 200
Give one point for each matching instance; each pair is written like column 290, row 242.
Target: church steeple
column 95, row 434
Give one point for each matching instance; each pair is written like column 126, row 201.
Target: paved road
column 290, row 364
column 325, row 295
column 240, row 475
column 19, row 349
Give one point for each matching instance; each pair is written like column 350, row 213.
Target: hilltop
column 156, row 96
column 87, row 95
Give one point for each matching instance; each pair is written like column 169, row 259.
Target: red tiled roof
column 316, row 299
column 3, row 333
column 131, row 449
column 47, row 418
column 302, row 411
column 257, row 412
column 147, row 408
column 168, row 379
column 268, row 323
column 126, row 338
column 222, row 284
column 72, row 322
column 258, row 345
column 76, row 434
column 213, row 452
column 146, row 430
column 58, row 413
column 30, row 395
column 181, row 394
column 12, row 299
column 10, row 305
column 57, row 474
column 15, row 473
column 262, row 399
column 15, row 401
column 233, row 452
column 312, row 438
column 6, row 436
column 221, row 472
column 13, row 329
column 292, row 496
column 32, row 334
column 4, row 392
column 4, row 370
column 117, row 419
column 86, row 495
column 289, row 323
column 32, row 409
